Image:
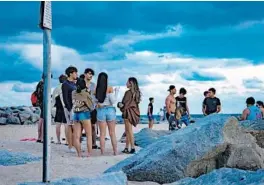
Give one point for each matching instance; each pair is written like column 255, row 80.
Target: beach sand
column 63, row 164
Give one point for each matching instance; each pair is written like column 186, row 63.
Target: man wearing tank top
column 89, row 73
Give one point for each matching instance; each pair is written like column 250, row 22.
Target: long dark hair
column 80, row 84
column 101, row 87
column 135, row 89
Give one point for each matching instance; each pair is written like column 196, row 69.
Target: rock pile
column 21, row 115
column 213, row 142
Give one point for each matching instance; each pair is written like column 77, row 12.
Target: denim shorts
column 150, row 117
column 81, row 116
column 106, row 114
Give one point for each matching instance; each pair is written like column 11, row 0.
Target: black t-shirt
column 181, row 103
column 151, row 108
column 211, row 104
column 67, row 88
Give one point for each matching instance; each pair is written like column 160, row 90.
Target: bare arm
column 218, row 106
column 167, row 103
column 245, row 114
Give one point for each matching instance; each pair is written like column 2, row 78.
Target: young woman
column 131, row 114
column 57, row 101
column 106, row 113
column 82, row 105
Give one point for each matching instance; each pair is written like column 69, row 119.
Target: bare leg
column 70, row 136
column 40, row 129
column 94, row 134
column 127, row 134
column 131, row 135
column 151, row 122
column 58, row 132
column 102, row 127
column 88, row 130
column 66, row 133
column 77, row 135
column 111, row 129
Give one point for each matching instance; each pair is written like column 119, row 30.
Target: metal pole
column 47, row 102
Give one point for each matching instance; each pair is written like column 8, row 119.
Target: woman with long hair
column 131, row 114
column 106, row 112
column 82, row 105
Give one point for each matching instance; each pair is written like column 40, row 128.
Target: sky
column 196, row 45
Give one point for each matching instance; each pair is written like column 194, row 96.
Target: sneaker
column 71, row 150
column 132, row 151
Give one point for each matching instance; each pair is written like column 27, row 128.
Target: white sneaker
column 71, row 150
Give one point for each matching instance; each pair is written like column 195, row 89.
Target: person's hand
column 110, row 90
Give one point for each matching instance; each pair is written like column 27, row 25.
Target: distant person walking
column 161, row 115
column 67, row 87
column 82, row 105
column 170, row 103
column 252, row 112
column 88, row 76
column 211, row 104
column 57, row 102
column 106, row 97
column 150, row 113
column 182, row 108
column 130, row 112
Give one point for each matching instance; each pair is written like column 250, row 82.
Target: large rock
column 213, row 142
column 147, row 136
column 226, row 176
column 19, row 115
column 3, row 121
column 16, row 158
column 118, row 178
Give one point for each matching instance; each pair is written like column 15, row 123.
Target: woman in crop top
column 82, row 105
column 106, row 112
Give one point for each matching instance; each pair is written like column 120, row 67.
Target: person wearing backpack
column 38, row 102
column 57, row 102
column 82, row 107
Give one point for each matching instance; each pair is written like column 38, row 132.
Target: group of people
column 177, row 109
column 82, row 105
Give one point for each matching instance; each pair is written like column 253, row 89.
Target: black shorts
column 94, row 116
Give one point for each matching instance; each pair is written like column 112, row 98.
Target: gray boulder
column 35, row 117
column 13, row 120
column 147, row 136
column 118, row 178
column 24, row 116
column 3, row 121
column 226, row 176
column 213, row 142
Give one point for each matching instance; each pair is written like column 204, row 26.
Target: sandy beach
column 63, row 164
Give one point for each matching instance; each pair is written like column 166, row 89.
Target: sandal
column 96, row 147
column 125, row 151
column 132, row 151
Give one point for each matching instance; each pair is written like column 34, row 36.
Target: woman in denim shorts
column 106, row 113
column 82, row 104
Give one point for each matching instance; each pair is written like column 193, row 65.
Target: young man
column 211, row 104
column 150, row 113
column 67, row 87
column 88, row 76
column 182, row 107
column 252, row 112
column 170, row 103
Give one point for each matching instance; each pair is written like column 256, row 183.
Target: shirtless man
column 171, row 107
